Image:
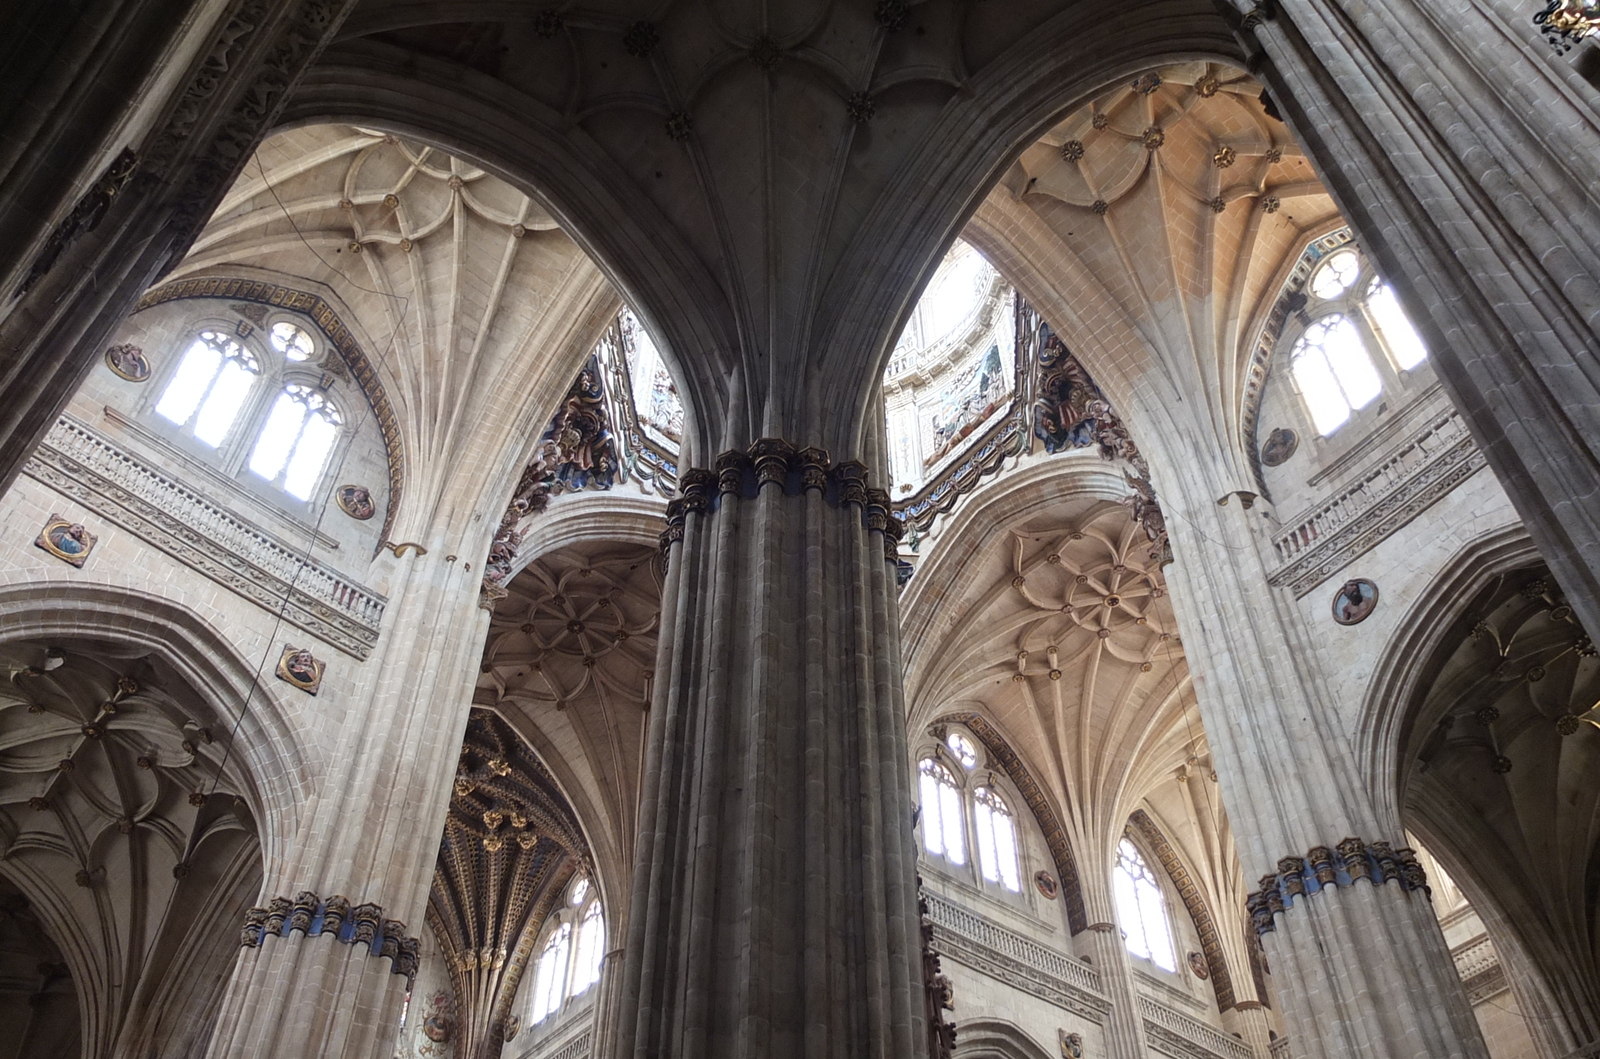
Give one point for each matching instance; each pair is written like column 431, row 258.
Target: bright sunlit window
column 1337, row 274
column 962, row 750
column 1141, row 911
column 210, row 386
column 1334, row 372
column 997, row 840
column 591, row 950
column 942, row 831
column 550, row 974
column 297, row 439
column 1393, row 326
column 291, row 340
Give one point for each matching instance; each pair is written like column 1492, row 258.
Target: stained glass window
column 292, row 341
column 997, row 839
column 942, row 831
column 1141, row 910
column 209, row 387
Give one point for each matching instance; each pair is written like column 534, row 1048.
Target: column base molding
column 312, row 916
column 1321, row 868
column 775, row 461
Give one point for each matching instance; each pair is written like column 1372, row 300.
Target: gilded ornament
column 640, row 39
column 1567, row 724
column 1100, row 206
column 1502, row 765
column 1153, row 137
column 1207, row 86
column 392, row 201
column 1218, row 204
column 1271, row 204
column 1145, row 84
column 1224, row 157
column 678, row 125
column 1072, row 150
column 1487, row 715
column 1100, row 121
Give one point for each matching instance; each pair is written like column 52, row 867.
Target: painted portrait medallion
column 356, row 501
column 1197, row 964
column 1047, row 884
column 1279, row 446
column 297, row 666
column 1355, row 600
column 67, row 541
column 127, row 361
column 1071, row 1044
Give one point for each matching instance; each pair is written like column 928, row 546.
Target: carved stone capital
column 1349, row 862
column 312, row 916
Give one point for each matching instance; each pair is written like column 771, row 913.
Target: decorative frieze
column 313, row 916
column 1175, row 1034
column 1022, row 963
column 78, row 462
column 1361, row 516
column 1321, row 867
column 773, row 461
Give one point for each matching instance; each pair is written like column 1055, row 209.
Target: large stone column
column 1463, row 150
column 774, row 909
column 1358, row 960
column 190, row 125
column 328, row 957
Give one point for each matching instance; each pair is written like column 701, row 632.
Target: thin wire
column 279, row 618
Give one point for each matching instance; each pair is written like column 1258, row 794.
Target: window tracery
column 942, row 831
column 997, row 839
column 1142, row 909
column 572, row 954
column 1356, row 339
column 209, row 388
column 262, row 399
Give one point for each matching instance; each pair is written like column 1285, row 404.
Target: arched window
column 1334, row 372
column 942, row 831
column 591, row 949
column 550, row 974
column 292, row 341
column 1336, row 275
column 1141, row 910
column 962, row 750
column 297, row 439
column 1393, row 326
column 209, row 387
column 997, row 839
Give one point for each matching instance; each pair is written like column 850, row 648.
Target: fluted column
column 1359, row 963
column 774, row 910
column 322, row 972
column 1463, row 148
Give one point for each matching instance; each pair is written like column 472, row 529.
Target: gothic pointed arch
column 1044, row 814
column 1210, row 942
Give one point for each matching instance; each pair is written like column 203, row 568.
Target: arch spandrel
column 747, row 262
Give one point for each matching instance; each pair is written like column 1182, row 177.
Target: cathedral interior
column 832, row 529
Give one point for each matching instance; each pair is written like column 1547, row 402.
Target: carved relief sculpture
column 127, row 361
column 297, row 666
column 67, row 541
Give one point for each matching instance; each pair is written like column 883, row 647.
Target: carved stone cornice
column 1321, row 867
column 78, row 462
column 313, row 916
column 795, row 471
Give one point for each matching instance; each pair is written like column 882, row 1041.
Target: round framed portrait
column 127, row 361
column 1047, row 884
column 1355, row 600
column 1279, row 446
column 356, row 501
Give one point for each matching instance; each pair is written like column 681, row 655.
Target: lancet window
column 572, row 953
column 955, row 805
column 260, row 401
column 1142, row 908
column 1356, row 336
